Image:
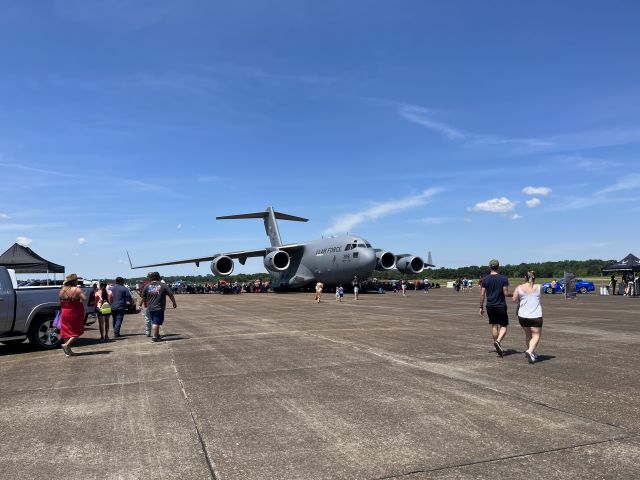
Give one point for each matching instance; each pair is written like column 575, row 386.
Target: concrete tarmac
column 268, row 386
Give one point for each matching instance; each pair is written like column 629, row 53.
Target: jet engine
column 277, row 261
column 385, row 260
column 222, row 266
column 409, row 264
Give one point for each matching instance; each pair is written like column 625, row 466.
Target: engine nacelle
column 385, row 260
column 409, row 264
column 277, row 261
column 222, row 266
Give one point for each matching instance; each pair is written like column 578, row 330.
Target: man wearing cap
column 495, row 288
column 155, row 294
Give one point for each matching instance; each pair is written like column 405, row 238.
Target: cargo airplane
column 332, row 261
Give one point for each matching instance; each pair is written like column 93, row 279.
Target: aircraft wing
column 242, row 255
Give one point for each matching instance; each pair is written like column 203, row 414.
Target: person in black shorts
column 495, row 288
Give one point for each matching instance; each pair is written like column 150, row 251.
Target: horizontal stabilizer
column 278, row 215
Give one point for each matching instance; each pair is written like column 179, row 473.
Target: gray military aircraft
column 332, row 260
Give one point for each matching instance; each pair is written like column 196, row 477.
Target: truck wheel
column 583, row 289
column 548, row 290
column 42, row 334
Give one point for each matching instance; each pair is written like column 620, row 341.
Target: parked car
column 582, row 286
column 28, row 312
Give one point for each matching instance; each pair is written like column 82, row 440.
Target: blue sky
column 470, row 129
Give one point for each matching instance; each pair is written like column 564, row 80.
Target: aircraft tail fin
column 429, row 262
column 270, row 224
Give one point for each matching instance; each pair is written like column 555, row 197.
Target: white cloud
column 4, row 216
column 533, row 202
column 82, row 241
column 347, row 222
column 515, row 216
column 24, row 241
column 75, row 254
column 543, row 191
column 179, row 226
column 628, row 182
column 495, row 205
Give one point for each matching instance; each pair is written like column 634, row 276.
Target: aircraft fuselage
column 332, row 261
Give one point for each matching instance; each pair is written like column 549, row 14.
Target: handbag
column 57, row 321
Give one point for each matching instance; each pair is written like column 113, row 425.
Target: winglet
column 129, row 257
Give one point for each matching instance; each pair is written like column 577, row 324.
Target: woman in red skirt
column 72, row 317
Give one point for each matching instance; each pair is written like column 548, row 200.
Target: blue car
column 582, row 286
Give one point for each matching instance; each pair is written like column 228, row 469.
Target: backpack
column 105, row 309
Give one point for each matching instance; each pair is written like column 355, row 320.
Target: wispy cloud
column 260, row 74
column 38, row 170
column 346, row 223
column 4, row 216
column 515, row 216
column 588, row 163
column 24, row 241
column 438, row 220
column 567, row 141
column 82, row 241
column 424, row 117
column 533, row 202
column 628, row 182
column 208, row 179
column 543, row 191
column 179, row 226
column 494, row 205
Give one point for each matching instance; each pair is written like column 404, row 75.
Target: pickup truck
column 27, row 312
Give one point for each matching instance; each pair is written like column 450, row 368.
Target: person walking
column 613, row 284
column 403, row 286
column 319, row 287
column 155, row 293
column 340, row 293
column 527, row 296
column 495, row 288
column 119, row 297
column 72, row 314
column 356, row 286
column 145, row 310
column 103, row 310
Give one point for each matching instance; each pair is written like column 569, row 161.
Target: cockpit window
column 348, row 247
column 361, row 245
column 354, row 245
column 368, row 245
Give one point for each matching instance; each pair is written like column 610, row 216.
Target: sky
column 471, row 129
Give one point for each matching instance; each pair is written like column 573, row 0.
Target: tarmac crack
column 501, row 459
column 210, row 463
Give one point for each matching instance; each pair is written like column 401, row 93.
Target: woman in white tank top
column 527, row 296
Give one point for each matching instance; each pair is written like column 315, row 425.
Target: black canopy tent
column 630, row 263
column 24, row 260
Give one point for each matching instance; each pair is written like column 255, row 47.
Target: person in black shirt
column 495, row 288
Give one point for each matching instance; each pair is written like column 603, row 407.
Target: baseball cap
column 494, row 263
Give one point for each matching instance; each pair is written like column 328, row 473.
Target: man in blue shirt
column 119, row 297
column 495, row 288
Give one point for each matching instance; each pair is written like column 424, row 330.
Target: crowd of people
column 110, row 301
column 628, row 287
column 256, row 286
